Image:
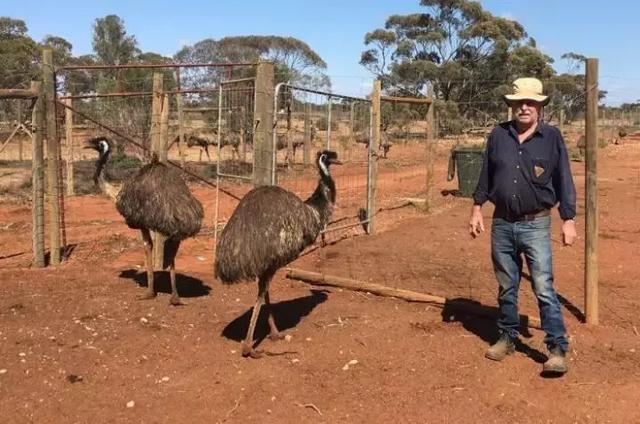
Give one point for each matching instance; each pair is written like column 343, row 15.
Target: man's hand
column 569, row 232
column 476, row 223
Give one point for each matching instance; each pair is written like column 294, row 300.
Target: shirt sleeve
column 481, row 194
column 563, row 183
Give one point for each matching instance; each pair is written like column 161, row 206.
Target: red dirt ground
column 76, row 345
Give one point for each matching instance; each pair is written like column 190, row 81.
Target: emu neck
column 323, row 197
column 111, row 190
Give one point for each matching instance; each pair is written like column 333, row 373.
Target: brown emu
column 268, row 229
column 156, row 199
column 385, row 143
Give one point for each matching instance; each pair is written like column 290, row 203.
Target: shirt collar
column 514, row 131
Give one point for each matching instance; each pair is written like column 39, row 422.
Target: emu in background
column 385, row 143
column 269, row 228
column 156, row 199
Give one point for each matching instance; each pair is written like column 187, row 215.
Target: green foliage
column 295, row 61
column 468, row 56
column 19, row 54
column 123, row 161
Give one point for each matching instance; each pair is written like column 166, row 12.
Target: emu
column 270, row 228
column 297, row 141
column 156, row 199
column 204, row 140
column 385, row 143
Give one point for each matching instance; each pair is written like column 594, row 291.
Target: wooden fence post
column 37, row 176
column 264, row 172
column 53, row 192
column 20, row 147
column 68, row 127
column 182, row 147
column 306, row 149
column 374, row 142
column 591, row 203
column 157, row 149
column 430, row 150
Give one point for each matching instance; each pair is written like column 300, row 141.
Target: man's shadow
column 287, row 314
column 482, row 323
column 187, row 286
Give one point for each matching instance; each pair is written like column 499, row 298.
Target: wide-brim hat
column 527, row 89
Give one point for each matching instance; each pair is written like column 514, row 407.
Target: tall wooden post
column 509, row 111
column 306, row 150
column 561, row 120
column 374, row 142
column 591, row 206
column 37, row 176
column 243, row 133
column 263, row 149
column 53, row 187
column 156, row 110
column 430, row 151
column 182, row 148
column 68, row 131
column 158, row 147
column 20, row 147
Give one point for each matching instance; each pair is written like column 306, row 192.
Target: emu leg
column 275, row 334
column 148, row 247
column 175, row 299
column 247, row 348
column 170, row 251
column 206, row 150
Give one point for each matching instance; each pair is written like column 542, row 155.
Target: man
column 524, row 174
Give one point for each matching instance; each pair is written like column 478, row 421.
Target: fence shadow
column 187, row 286
column 287, row 314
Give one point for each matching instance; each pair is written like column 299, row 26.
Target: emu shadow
column 187, row 286
column 287, row 314
column 483, row 324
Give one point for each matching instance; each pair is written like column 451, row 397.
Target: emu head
column 325, row 159
column 103, row 147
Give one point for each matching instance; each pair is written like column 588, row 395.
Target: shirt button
column 519, row 152
column 515, row 181
column 514, row 196
column 517, row 166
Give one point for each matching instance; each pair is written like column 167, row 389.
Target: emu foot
column 175, row 301
column 276, row 336
column 147, row 296
column 249, row 352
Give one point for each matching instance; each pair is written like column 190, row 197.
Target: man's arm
column 566, row 193
column 481, row 195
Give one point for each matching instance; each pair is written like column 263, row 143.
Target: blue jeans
column 510, row 241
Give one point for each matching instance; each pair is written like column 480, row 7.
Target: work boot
column 503, row 347
column 556, row 364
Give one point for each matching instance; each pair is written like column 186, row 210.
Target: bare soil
column 76, row 345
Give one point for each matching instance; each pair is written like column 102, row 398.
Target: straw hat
column 527, row 89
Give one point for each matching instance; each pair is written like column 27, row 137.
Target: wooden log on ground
column 319, row 279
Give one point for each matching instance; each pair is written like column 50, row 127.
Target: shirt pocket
column 541, row 171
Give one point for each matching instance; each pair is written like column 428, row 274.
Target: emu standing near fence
column 270, row 228
column 157, row 199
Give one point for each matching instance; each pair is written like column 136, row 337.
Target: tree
column 19, row 54
column 295, row 61
column 467, row 54
column 111, row 43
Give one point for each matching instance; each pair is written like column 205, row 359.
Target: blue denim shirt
column 523, row 178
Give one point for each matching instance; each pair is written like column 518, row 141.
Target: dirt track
column 78, row 347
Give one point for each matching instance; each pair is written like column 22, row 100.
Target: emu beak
column 335, row 162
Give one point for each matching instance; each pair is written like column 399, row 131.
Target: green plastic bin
column 468, row 162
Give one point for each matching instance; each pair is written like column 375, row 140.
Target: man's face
column 526, row 112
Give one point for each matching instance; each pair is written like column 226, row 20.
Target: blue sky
column 336, row 29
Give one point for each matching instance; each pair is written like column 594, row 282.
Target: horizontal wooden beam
column 405, row 100
column 469, row 307
column 17, row 93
